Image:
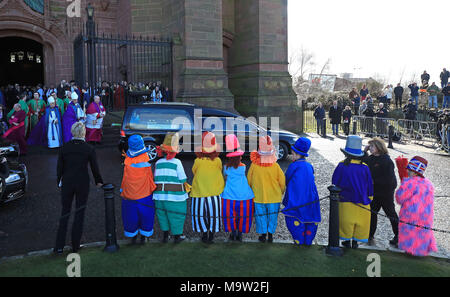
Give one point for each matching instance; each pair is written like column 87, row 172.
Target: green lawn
column 225, row 260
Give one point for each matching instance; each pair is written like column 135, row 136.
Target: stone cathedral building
column 229, row 54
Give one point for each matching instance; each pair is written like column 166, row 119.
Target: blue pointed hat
column 302, row 146
column 136, row 146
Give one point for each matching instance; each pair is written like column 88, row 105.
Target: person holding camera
column 410, row 112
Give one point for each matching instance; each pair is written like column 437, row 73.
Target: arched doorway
column 21, row 61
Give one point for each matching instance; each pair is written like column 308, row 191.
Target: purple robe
column 39, row 135
column 69, row 118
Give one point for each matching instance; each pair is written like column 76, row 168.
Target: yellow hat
column 171, row 142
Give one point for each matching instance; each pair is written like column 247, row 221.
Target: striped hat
column 418, row 165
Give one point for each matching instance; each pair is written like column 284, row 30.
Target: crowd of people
column 227, row 197
column 41, row 115
column 112, row 93
column 47, row 122
column 363, row 104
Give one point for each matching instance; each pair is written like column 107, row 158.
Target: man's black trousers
column 69, row 192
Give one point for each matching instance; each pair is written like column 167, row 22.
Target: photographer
column 410, row 112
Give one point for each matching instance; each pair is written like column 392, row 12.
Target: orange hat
column 266, row 150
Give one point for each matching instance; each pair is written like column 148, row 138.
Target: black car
column 153, row 120
column 15, row 184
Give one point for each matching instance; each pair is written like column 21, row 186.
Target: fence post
column 333, row 248
column 391, row 134
column 110, row 219
column 354, row 126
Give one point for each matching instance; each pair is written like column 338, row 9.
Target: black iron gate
column 101, row 60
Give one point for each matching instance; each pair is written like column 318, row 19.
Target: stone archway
column 18, row 20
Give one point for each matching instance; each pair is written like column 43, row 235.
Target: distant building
column 323, row 81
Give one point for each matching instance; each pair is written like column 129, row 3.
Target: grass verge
column 195, row 259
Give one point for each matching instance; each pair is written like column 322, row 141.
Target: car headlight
column 12, row 178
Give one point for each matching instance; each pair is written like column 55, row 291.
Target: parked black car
column 153, row 120
column 15, row 184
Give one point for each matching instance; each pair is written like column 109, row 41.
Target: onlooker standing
column 166, row 95
column 352, row 94
column 388, row 94
column 445, row 75
column 414, row 93
column 410, row 112
column 446, row 92
column 433, row 90
column 346, row 118
column 319, row 115
column 398, row 92
column 425, row 77
column 381, row 113
column 384, row 184
column 356, row 103
column 364, row 92
column 73, row 179
column 335, row 114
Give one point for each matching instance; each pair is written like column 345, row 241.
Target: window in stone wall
column 36, row 5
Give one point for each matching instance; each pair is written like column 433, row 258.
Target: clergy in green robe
column 36, row 108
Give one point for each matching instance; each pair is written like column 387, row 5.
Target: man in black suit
column 73, row 178
column 335, row 115
column 398, row 92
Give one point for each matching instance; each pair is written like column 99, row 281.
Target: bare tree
column 300, row 63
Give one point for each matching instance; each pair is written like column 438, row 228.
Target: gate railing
column 112, row 58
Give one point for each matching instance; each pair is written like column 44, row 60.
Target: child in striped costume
column 237, row 197
column 207, row 185
column 171, row 190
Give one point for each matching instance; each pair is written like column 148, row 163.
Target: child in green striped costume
column 171, row 189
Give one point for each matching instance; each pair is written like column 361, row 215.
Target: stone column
column 258, row 63
column 199, row 77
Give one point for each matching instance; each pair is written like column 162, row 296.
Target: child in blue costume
column 237, row 196
column 302, row 221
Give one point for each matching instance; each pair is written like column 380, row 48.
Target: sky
column 374, row 38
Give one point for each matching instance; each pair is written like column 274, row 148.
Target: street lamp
column 90, row 11
column 90, row 27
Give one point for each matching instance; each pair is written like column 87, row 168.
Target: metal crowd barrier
column 407, row 130
column 373, row 126
column 418, row 131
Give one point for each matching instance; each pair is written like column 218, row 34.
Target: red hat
column 233, row 146
column 209, row 144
